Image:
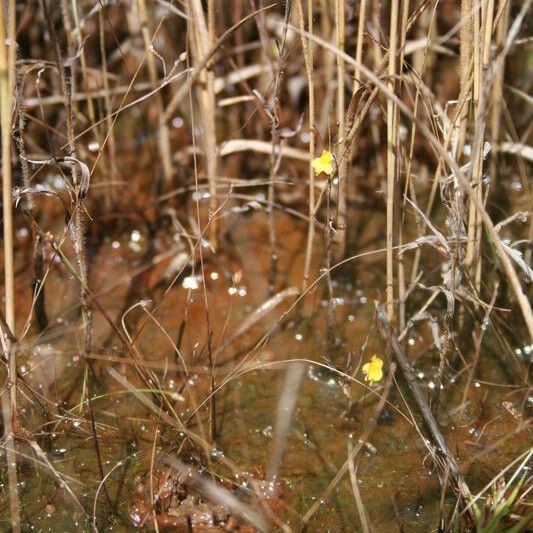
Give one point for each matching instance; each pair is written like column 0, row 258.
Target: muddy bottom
column 220, row 344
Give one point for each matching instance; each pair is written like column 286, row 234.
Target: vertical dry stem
column 108, row 110
column 200, row 46
column 391, row 157
column 359, row 46
column 340, row 235
column 402, row 293
column 163, row 138
column 9, row 394
column 308, row 58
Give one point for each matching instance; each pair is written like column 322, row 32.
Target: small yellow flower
column 373, row 370
column 324, row 163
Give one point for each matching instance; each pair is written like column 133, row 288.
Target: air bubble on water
column 298, row 336
column 477, row 384
column 525, row 353
column 363, row 299
column 214, row 276
column 411, row 342
column 115, row 245
column 216, row 454
column 431, row 385
column 22, row 232
column 190, row 282
column 196, row 196
column 232, row 291
column 136, row 516
column 135, row 240
column 305, row 137
column 267, row 431
column 58, row 182
column 93, row 146
column 177, row 122
column 242, row 291
column 420, row 375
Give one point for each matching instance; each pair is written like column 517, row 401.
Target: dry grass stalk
column 163, row 137
column 402, row 292
column 308, row 58
column 392, row 147
column 109, row 190
column 9, row 393
column 340, row 234
column 462, row 182
column 200, row 46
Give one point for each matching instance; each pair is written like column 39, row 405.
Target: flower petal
column 373, row 369
column 323, row 164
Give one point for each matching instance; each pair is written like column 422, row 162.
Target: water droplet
column 190, row 282
column 22, row 232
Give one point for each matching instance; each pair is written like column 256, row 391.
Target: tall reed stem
column 200, row 46
column 307, row 48
column 391, row 157
column 163, row 138
column 340, row 235
column 9, row 394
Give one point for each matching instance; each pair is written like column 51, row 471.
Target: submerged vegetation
column 266, row 265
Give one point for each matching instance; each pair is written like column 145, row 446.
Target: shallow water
column 397, row 479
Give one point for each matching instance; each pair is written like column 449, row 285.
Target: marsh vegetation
column 266, row 266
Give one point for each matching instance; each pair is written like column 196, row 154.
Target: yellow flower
column 373, row 370
column 324, row 163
